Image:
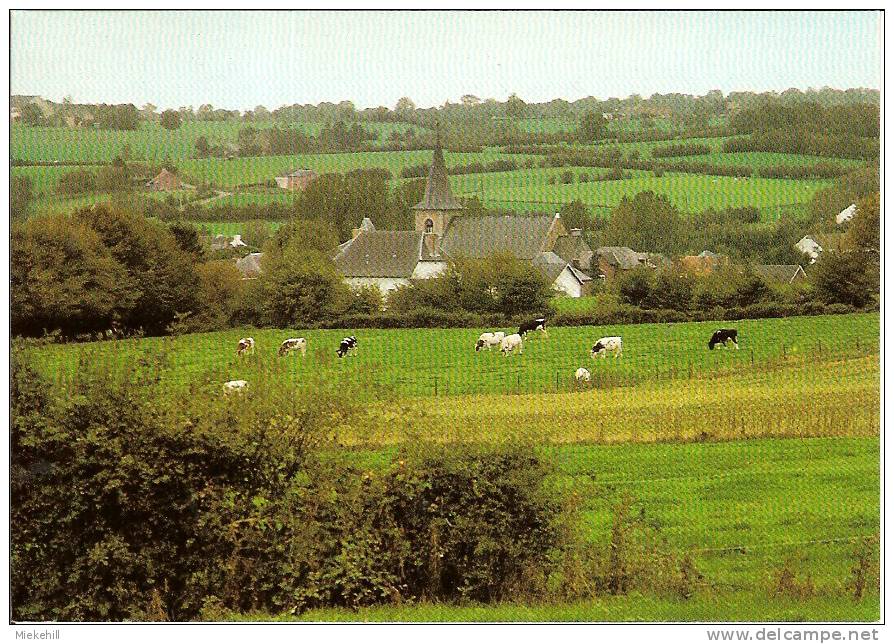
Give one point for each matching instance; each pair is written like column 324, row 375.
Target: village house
column 846, row 215
column 164, row 181
column 296, row 179
column 389, row 259
column 702, row 264
column 613, row 260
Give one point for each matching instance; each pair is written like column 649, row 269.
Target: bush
column 76, row 183
column 680, row 150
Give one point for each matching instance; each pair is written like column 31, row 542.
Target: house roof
column 250, row 265
column 522, row 236
column 300, row 172
column 437, row 188
column 781, row 273
column 381, row 253
column 550, row 265
column 571, row 247
column 622, row 257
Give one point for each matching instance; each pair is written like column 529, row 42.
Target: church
column 388, row 259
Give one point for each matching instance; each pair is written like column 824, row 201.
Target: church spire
column 437, row 188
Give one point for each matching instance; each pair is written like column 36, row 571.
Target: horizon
column 231, row 60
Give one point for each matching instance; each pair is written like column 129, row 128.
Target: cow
column 611, row 343
column 510, row 343
column 722, row 336
column 488, row 340
column 245, row 345
column 347, row 345
column 293, row 344
column 234, row 385
column 538, row 324
column 582, row 375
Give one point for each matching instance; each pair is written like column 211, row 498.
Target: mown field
column 150, row 142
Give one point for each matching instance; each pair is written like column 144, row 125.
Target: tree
column 203, row 149
column 648, row 222
column 163, row 275
column 592, row 127
column 865, row 229
column 256, row 233
column 469, row 99
column 63, row 277
column 187, row 239
column 220, row 287
column 405, row 108
column 635, row 287
column 515, row 107
column 850, row 277
column 32, row 115
column 170, row 120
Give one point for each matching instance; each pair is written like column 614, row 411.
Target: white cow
column 293, row 344
column 611, row 343
column 582, row 375
column 488, row 340
column 510, row 343
column 234, row 385
column 245, row 345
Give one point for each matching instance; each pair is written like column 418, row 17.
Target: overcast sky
column 238, row 60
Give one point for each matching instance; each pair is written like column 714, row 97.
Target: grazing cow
column 293, row 344
column 348, row 345
column 245, row 345
column 534, row 325
column 234, row 385
column 722, row 336
column 611, row 343
column 582, row 375
column 510, row 343
column 488, row 340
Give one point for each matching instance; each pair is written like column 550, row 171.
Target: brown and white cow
column 245, row 345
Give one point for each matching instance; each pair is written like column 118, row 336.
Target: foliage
column 647, row 222
column 76, row 183
column 592, row 127
column 170, row 120
column 865, row 227
column 21, row 192
column 847, row 277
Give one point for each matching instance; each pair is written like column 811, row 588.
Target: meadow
column 413, row 362
column 150, row 142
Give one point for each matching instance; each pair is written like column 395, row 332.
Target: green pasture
column 550, row 125
column 228, row 227
column 740, row 509
column 529, row 190
column 243, row 170
column 150, row 142
column 764, row 159
column 413, row 362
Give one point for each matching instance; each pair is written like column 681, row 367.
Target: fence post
column 518, row 383
column 557, row 382
column 690, row 369
column 783, row 350
column 436, row 385
column 752, row 357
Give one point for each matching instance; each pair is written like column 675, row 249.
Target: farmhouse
column 296, row 179
column 164, row 181
column 846, row 215
column 389, row 259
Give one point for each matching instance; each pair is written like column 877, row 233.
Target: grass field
column 228, row 227
column 409, row 360
column 528, row 190
column 150, row 142
column 739, row 508
column 546, row 125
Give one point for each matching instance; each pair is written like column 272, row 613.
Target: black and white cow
column 538, row 324
column 612, row 343
column 722, row 336
column 246, row 345
column 488, row 340
column 293, row 344
column 348, row 345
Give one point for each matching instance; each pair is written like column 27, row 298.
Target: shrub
column 680, row 150
column 76, row 183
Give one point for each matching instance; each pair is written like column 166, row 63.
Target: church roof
column 381, row 253
column 480, row 236
column 437, row 188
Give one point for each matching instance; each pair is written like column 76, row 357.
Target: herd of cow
column 507, row 343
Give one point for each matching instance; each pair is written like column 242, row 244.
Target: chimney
column 575, row 232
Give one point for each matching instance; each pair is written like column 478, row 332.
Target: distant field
column 150, row 142
column 546, row 125
column 529, row 190
column 237, row 171
column 764, row 159
column 228, row 227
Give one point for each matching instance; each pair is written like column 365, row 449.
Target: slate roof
column 381, row 253
column 300, row 172
column 781, row 273
column 550, row 265
column 476, row 237
column 622, row 257
column 437, row 188
column 573, row 247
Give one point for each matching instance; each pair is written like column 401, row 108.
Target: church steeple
column 437, row 188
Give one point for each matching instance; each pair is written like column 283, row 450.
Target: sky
column 238, row 60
